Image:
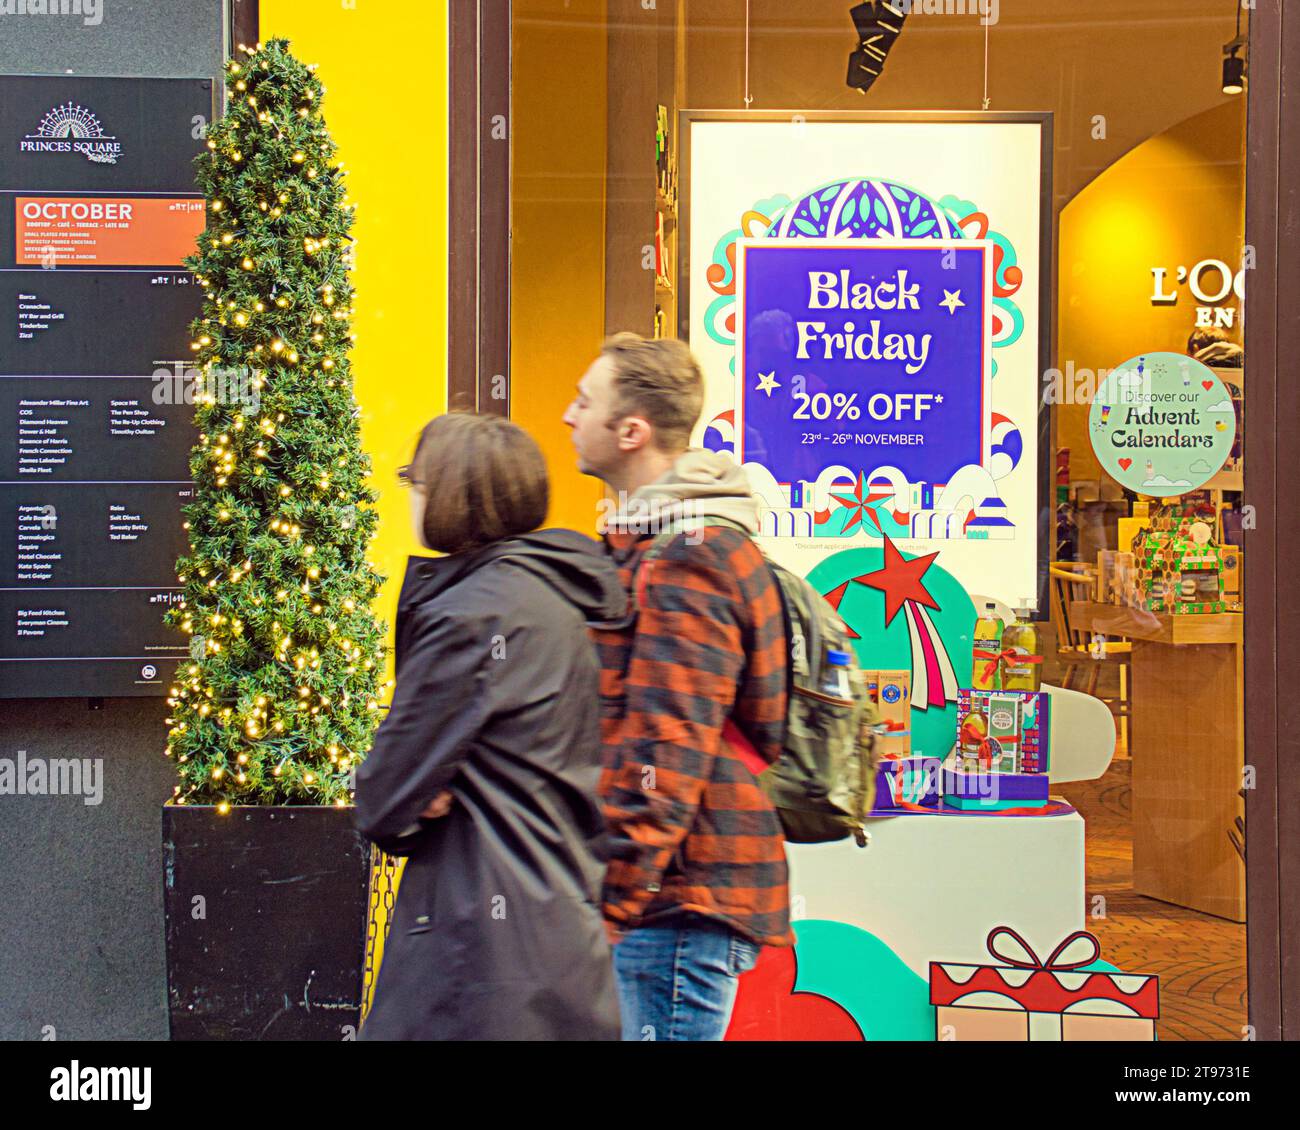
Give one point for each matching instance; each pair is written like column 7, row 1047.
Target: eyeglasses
column 406, row 476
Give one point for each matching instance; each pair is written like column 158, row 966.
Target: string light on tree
column 276, row 704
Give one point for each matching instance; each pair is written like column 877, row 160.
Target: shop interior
column 1147, row 209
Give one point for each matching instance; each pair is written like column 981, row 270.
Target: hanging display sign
column 867, row 297
column 1162, row 424
column 98, row 208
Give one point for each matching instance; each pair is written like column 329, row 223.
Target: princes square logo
column 73, row 129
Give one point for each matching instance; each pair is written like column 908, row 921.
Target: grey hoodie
column 700, row 484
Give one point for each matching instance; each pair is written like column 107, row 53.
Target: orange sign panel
column 106, row 231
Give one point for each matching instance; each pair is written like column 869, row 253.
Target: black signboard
column 98, row 206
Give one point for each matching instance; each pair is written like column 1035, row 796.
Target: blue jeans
column 678, row 982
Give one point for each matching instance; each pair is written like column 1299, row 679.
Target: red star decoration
column 900, row 580
column 858, row 502
column 834, row 598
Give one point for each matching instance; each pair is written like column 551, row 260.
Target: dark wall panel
column 81, row 930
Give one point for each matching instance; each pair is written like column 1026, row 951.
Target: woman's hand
column 439, row 806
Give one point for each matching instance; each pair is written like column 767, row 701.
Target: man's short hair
column 659, row 380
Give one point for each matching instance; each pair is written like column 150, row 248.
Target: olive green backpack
column 823, row 785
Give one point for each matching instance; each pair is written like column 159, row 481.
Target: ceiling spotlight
column 1234, row 73
column 1234, row 67
column 878, row 23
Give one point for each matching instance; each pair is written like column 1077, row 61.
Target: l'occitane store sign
column 1211, row 283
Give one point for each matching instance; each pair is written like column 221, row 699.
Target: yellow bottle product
column 1022, row 670
column 988, row 641
column 972, row 737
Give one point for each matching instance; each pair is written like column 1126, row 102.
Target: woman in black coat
column 485, row 771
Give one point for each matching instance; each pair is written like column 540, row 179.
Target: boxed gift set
column 1021, row 997
column 1178, row 515
column 901, row 779
column 1001, row 758
column 891, row 691
column 1181, row 575
column 907, row 782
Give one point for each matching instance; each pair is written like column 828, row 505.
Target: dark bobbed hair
column 485, row 479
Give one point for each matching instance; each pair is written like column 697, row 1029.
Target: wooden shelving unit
column 647, row 70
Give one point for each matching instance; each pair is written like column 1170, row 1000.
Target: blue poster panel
column 868, row 355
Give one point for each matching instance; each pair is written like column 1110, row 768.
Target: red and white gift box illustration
column 1027, row 998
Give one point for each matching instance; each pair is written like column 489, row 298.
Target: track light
column 1234, row 67
column 879, row 24
column 1234, row 73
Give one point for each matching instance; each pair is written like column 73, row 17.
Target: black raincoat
column 497, row 932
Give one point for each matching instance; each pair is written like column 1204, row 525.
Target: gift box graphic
column 1026, row 998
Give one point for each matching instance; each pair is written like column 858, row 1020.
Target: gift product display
column 985, row 660
column 891, row 691
column 901, row 779
column 1012, row 727
column 1021, row 663
column 1001, row 757
column 1177, row 515
column 907, row 782
column 1005, row 656
column 1179, row 574
column 1021, row 997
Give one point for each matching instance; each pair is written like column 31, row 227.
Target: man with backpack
column 697, row 879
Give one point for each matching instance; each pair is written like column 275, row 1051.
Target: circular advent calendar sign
column 1162, row 424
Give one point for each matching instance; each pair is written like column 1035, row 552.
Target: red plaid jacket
column 691, row 829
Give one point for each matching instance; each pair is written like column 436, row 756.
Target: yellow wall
column 557, row 299
column 1173, row 201
column 384, row 66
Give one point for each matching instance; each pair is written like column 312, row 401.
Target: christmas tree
column 278, row 701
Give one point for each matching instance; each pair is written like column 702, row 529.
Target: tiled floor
column 1201, row 960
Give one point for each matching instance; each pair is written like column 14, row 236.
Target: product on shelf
column 1021, row 663
column 891, row 691
column 1001, row 757
column 986, row 659
column 1177, row 574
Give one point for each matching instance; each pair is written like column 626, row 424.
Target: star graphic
column 767, row 383
column 835, row 598
column 900, row 579
column 857, row 501
column 952, row 299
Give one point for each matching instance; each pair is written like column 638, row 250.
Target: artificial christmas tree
column 280, row 697
column 266, row 899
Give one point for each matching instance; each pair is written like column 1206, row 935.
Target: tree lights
column 280, row 697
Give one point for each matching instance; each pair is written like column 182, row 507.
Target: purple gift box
column 980, row 789
column 907, row 782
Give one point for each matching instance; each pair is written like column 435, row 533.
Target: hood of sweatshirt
column 700, row 484
column 575, row 566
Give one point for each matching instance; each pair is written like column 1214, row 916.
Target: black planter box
column 266, row 912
